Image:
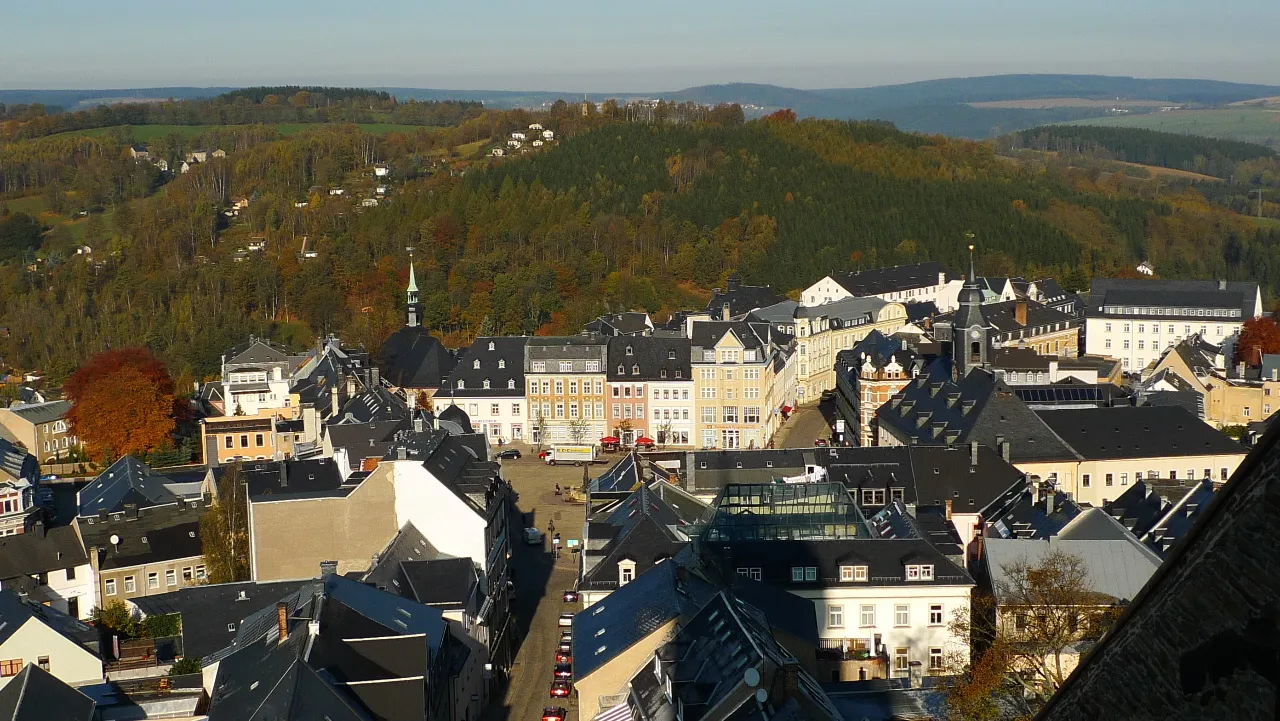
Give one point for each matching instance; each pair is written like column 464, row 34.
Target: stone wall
column 1202, row 640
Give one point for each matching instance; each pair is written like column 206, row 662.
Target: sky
column 612, row 46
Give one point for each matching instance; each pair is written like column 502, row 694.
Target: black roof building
column 38, row 552
column 1163, row 300
column 491, row 367
column 893, row 280
column 130, row 482
column 413, row 358
column 214, row 614
column 1137, row 432
column 622, row 324
column 144, row 535
column 736, row 300
column 648, row 359
column 16, row 611
column 886, row 560
column 37, row 695
column 642, row 529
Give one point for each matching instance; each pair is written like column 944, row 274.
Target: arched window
column 671, row 354
column 511, row 384
column 502, row 363
column 635, row 370
column 490, row 345
column 630, row 351
column 475, row 363
column 975, row 352
column 486, row 382
column 462, row 385
column 621, row 369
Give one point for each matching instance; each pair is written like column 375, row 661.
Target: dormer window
column 626, row 572
column 679, row 374
column 635, row 370
column 475, row 363
column 462, row 385
column 502, row 363
column 511, row 384
column 486, row 382
column 630, row 351
column 662, row 373
column 920, row 572
column 490, row 345
column 671, row 354
column 621, row 369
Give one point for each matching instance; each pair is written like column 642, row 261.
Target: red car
column 569, row 596
column 560, row 689
column 553, row 713
column 821, row 442
column 564, row 657
column 563, row 671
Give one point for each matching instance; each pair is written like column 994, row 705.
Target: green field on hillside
column 1252, row 125
column 147, row 133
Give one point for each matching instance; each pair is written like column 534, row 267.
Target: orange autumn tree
column 1258, row 337
column 123, row 402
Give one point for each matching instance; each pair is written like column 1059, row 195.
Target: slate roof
column 741, row 299
column 171, row 533
column 213, row 615
column 933, row 408
column 372, row 405
column 454, row 462
column 634, row 358
column 408, row 545
column 622, row 324
column 622, row 477
column 311, row 478
column 892, row 280
column 889, row 699
column 443, row 582
column 18, row 464
column 1138, row 432
column 128, row 480
column 1003, row 316
column 256, row 350
column 46, row 412
column 886, row 559
column 1025, row 517
column 37, row 695
column 917, row 312
column 1137, row 293
column 506, row 351
column 16, row 611
column 1181, row 517
column 1138, row 508
column 33, row 553
column 365, row 440
column 1270, row 367
column 707, row 333
column 1117, row 569
column 880, row 349
column 643, row 528
column 413, row 358
column 634, row 611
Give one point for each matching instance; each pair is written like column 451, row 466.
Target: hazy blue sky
column 609, row 45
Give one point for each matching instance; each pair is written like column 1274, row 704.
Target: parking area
column 540, row 580
column 809, row 422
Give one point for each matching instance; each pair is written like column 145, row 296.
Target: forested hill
column 614, row 215
column 1170, row 150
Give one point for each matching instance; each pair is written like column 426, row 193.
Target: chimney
column 1240, row 370
column 373, row 377
column 948, row 503
column 284, row 474
column 328, row 568
column 282, row 621
column 333, row 406
column 1222, row 285
column 1020, row 310
column 724, row 312
column 734, row 283
column 790, row 680
column 1048, row 501
column 973, row 453
column 411, row 400
column 1004, row 451
column 38, row 529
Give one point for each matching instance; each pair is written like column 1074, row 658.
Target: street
column 808, row 423
column 540, row 580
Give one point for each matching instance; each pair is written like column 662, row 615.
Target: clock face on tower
column 975, row 334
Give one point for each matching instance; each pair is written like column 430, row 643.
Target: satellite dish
column 761, row 695
column 115, row 540
column 751, row 677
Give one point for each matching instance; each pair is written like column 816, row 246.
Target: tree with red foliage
column 123, row 402
column 786, row 116
column 1258, row 337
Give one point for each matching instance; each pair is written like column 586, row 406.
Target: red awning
column 611, row 440
column 644, row 441
column 786, row 409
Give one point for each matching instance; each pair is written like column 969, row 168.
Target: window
column 860, row 574
column 130, row 585
column 1124, row 479
column 708, row 414
column 111, row 586
column 594, row 367
column 229, row 442
column 153, row 580
column 559, row 388
column 244, row 441
column 1085, row 480
column 1246, row 411
column 171, row 577
column 810, row 573
column 935, row 614
column 1208, row 473
column 627, row 572
column 751, row 414
column 187, row 574
column 566, row 366
column 846, row 573
column 573, row 410
column 43, row 662
column 573, row 388
column 485, row 383
column 797, row 574
column 476, row 364
column 873, row 496
column 730, row 414
column 200, row 572
column 1223, row 474
column 935, row 660
column 257, row 439
column 867, row 616
column 926, row 571
column 559, row 410
column 502, row 363
column 1108, row 480
column 752, row 573
column 599, row 410
column 708, row 392
column 635, row 370
column 901, row 659
column 71, row 573
column 10, row 667
column 835, row 616
column 902, row 615
column 515, row 409
column 913, row 573
column 494, row 409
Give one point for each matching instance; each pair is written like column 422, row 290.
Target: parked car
column 509, row 453
column 821, row 442
column 553, row 713
column 560, row 689
column 570, row 596
column 566, row 634
column 563, row 671
column 566, row 619
column 564, row 657
column 533, row 536
column 564, row 646
column 543, row 455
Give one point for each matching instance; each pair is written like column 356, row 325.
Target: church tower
column 414, row 309
column 970, row 332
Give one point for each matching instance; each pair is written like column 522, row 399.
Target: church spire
column 413, row 310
